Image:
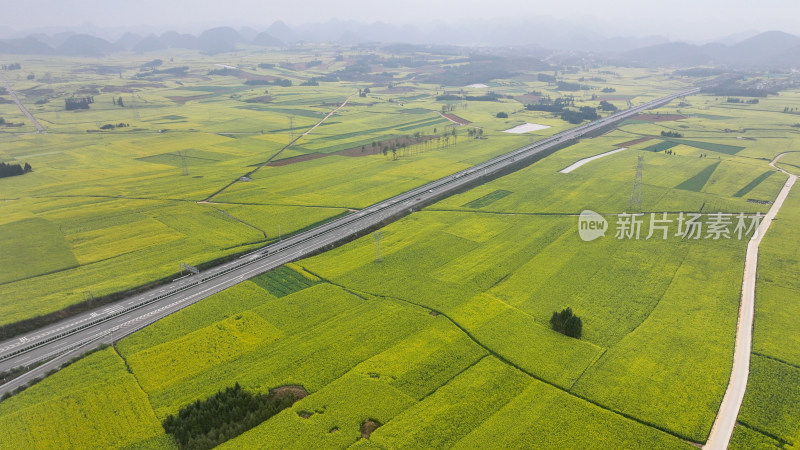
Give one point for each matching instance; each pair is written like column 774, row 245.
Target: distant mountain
column 764, row 47
column 771, row 49
column 557, row 40
column 267, row 40
column 127, row 41
column 151, row 43
column 175, row 40
column 218, row 40
column 25, row 46
column 282, row 31
column 248, row 33
column 85, row 45
column 348, row 37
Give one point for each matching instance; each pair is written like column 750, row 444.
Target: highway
column 119, row 319
column 39, row 127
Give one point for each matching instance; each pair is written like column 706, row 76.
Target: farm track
column 725, row 422
column 39, row 127
column 327, row 116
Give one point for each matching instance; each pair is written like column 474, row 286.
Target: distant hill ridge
column 771, row 49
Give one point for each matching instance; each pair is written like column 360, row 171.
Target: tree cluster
column 224, row 71
column 576, row 117
column 278, row 82
column 111, row 126
column 502, row 115
column 175, row 71
column 567, row 323
column 152, row 64
column 12, row 66
column 266, row 66
column 118, row 102
column 545, row 78
column 223, row 416
column 608, row 90
column 672, row 134
column 547, row 105
column 10, row 170
column 74, row 103
column 567, row 86
column 606, row 106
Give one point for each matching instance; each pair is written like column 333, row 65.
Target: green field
column 445, row 341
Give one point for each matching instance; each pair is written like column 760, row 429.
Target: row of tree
column 223, row 416
column 752, row 101
column 74, row 103
column 12, row 66
column 10, row 170
column 672, row 134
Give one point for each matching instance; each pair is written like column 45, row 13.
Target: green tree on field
column 567, row 323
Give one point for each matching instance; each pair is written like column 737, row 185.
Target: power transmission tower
column 635, row 203
column 377, row 237
column 184, row 164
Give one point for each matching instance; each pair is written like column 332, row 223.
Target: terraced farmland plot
column 85, row 405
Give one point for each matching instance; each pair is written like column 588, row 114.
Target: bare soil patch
column 634, row 142
column 658, row 117
column 297, row 391
column 527, row 98
column 368, row 427
column 296, row 159
column 183, row 99
column 353, row 152
column 456, row 119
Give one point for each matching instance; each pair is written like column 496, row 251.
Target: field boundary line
column 776, row 360
column 242, row 221
column 511, row 363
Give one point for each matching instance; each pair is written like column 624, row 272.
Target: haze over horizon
column 688, row 20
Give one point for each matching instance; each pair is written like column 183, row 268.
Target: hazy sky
column 690, row 19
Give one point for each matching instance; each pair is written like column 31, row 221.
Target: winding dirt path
column 39, row 127
column 722, row 430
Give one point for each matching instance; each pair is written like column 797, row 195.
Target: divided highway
column 116, row 320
